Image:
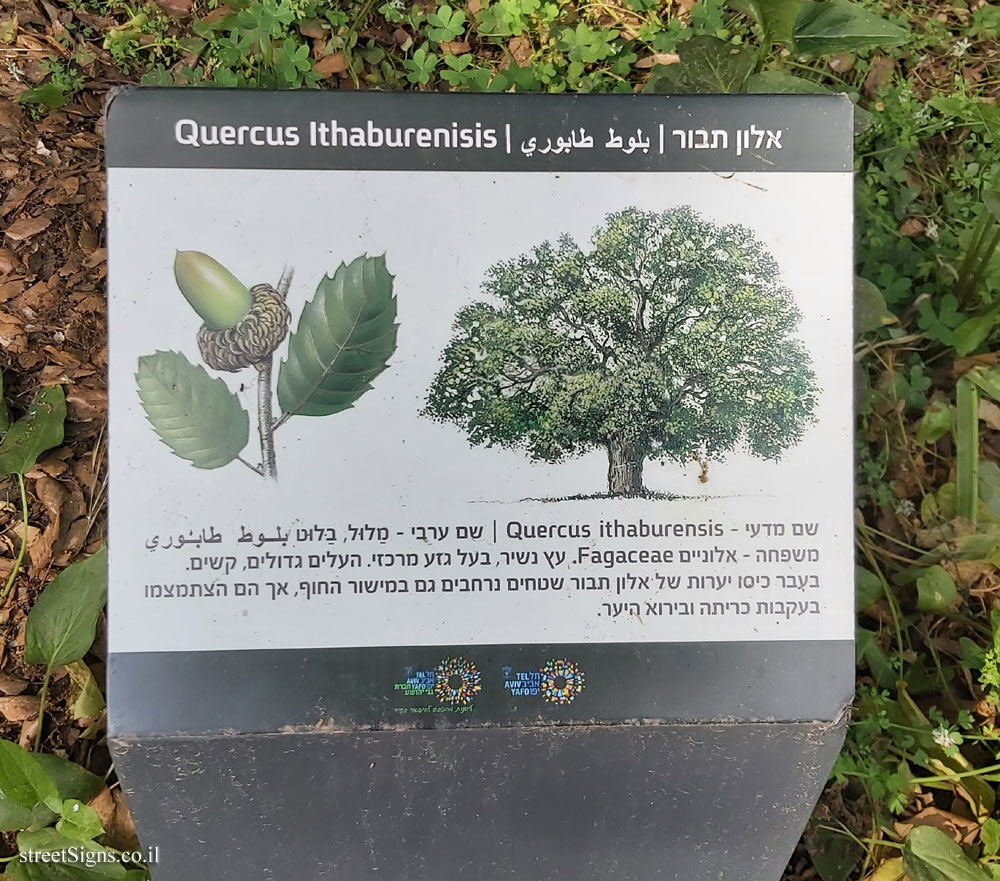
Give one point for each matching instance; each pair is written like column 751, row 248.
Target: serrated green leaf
column 66, row 869
column 79, row 821
column 198, row 417
column 936, row 591
column 38, row 430
column 22, row 780
column 930, row 855
column 344, row 339
column 707, row 64
column 62, row 624
column 825, row 27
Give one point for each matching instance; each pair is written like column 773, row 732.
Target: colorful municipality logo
column 558, row 681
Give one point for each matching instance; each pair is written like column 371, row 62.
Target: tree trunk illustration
column 625, row 459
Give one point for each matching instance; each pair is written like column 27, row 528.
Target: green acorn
column 212, row 290
column 242, row 327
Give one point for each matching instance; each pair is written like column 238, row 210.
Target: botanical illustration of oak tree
column 670, row 338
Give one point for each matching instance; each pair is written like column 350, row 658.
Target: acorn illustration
column 242, row 326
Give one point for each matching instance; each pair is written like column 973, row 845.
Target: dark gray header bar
column 419, row 131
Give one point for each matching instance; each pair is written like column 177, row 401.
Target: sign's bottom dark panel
column 584, row 803
column 461, row 686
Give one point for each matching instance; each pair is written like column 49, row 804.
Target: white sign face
column 508, row 408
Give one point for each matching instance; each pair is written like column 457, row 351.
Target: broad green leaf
column 966, row 448
column 972, row 332
column 936, row 591
column 825, row 27
column 62, row 624
column 71, row 779
column 85, row 698
column 776, row 18
column 991, row 199
column 345, row 337
column 986, row 379
column 14, row 817
column 936, row 422
column 51, row 841
column 868, row 587
column 79, row 821
column 990, row 835
column 777, row 82
column 707, row 64
column 930, row 855
column 868, row 650
column 989, row 487
column 198, row 417
column 975, row 113
column 973, row 656
column 22, row 779
column 870, row 310
column 833, row 856
column 38, row 430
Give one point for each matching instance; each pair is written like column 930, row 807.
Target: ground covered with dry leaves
column 923, row 748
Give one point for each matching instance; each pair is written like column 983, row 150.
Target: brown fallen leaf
column 989, row 413
column 52, row 495
column 520, row 50
column 104, row 805
column 26, row 227
column 85, row 404
column 26, row 738
column 121, row 835
column 328, row 65
column 19, row 708
column 455, row 47
column 12, row 684
column 960, row 829
column 176, row 8
column 912, row 226
column 880, row 70
column 661, row 58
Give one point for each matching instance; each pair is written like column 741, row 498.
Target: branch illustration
column 344, row 339
column 265, row 419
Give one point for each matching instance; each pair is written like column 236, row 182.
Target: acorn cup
column 242, row 326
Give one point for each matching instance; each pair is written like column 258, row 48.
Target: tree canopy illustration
column 670, row 337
